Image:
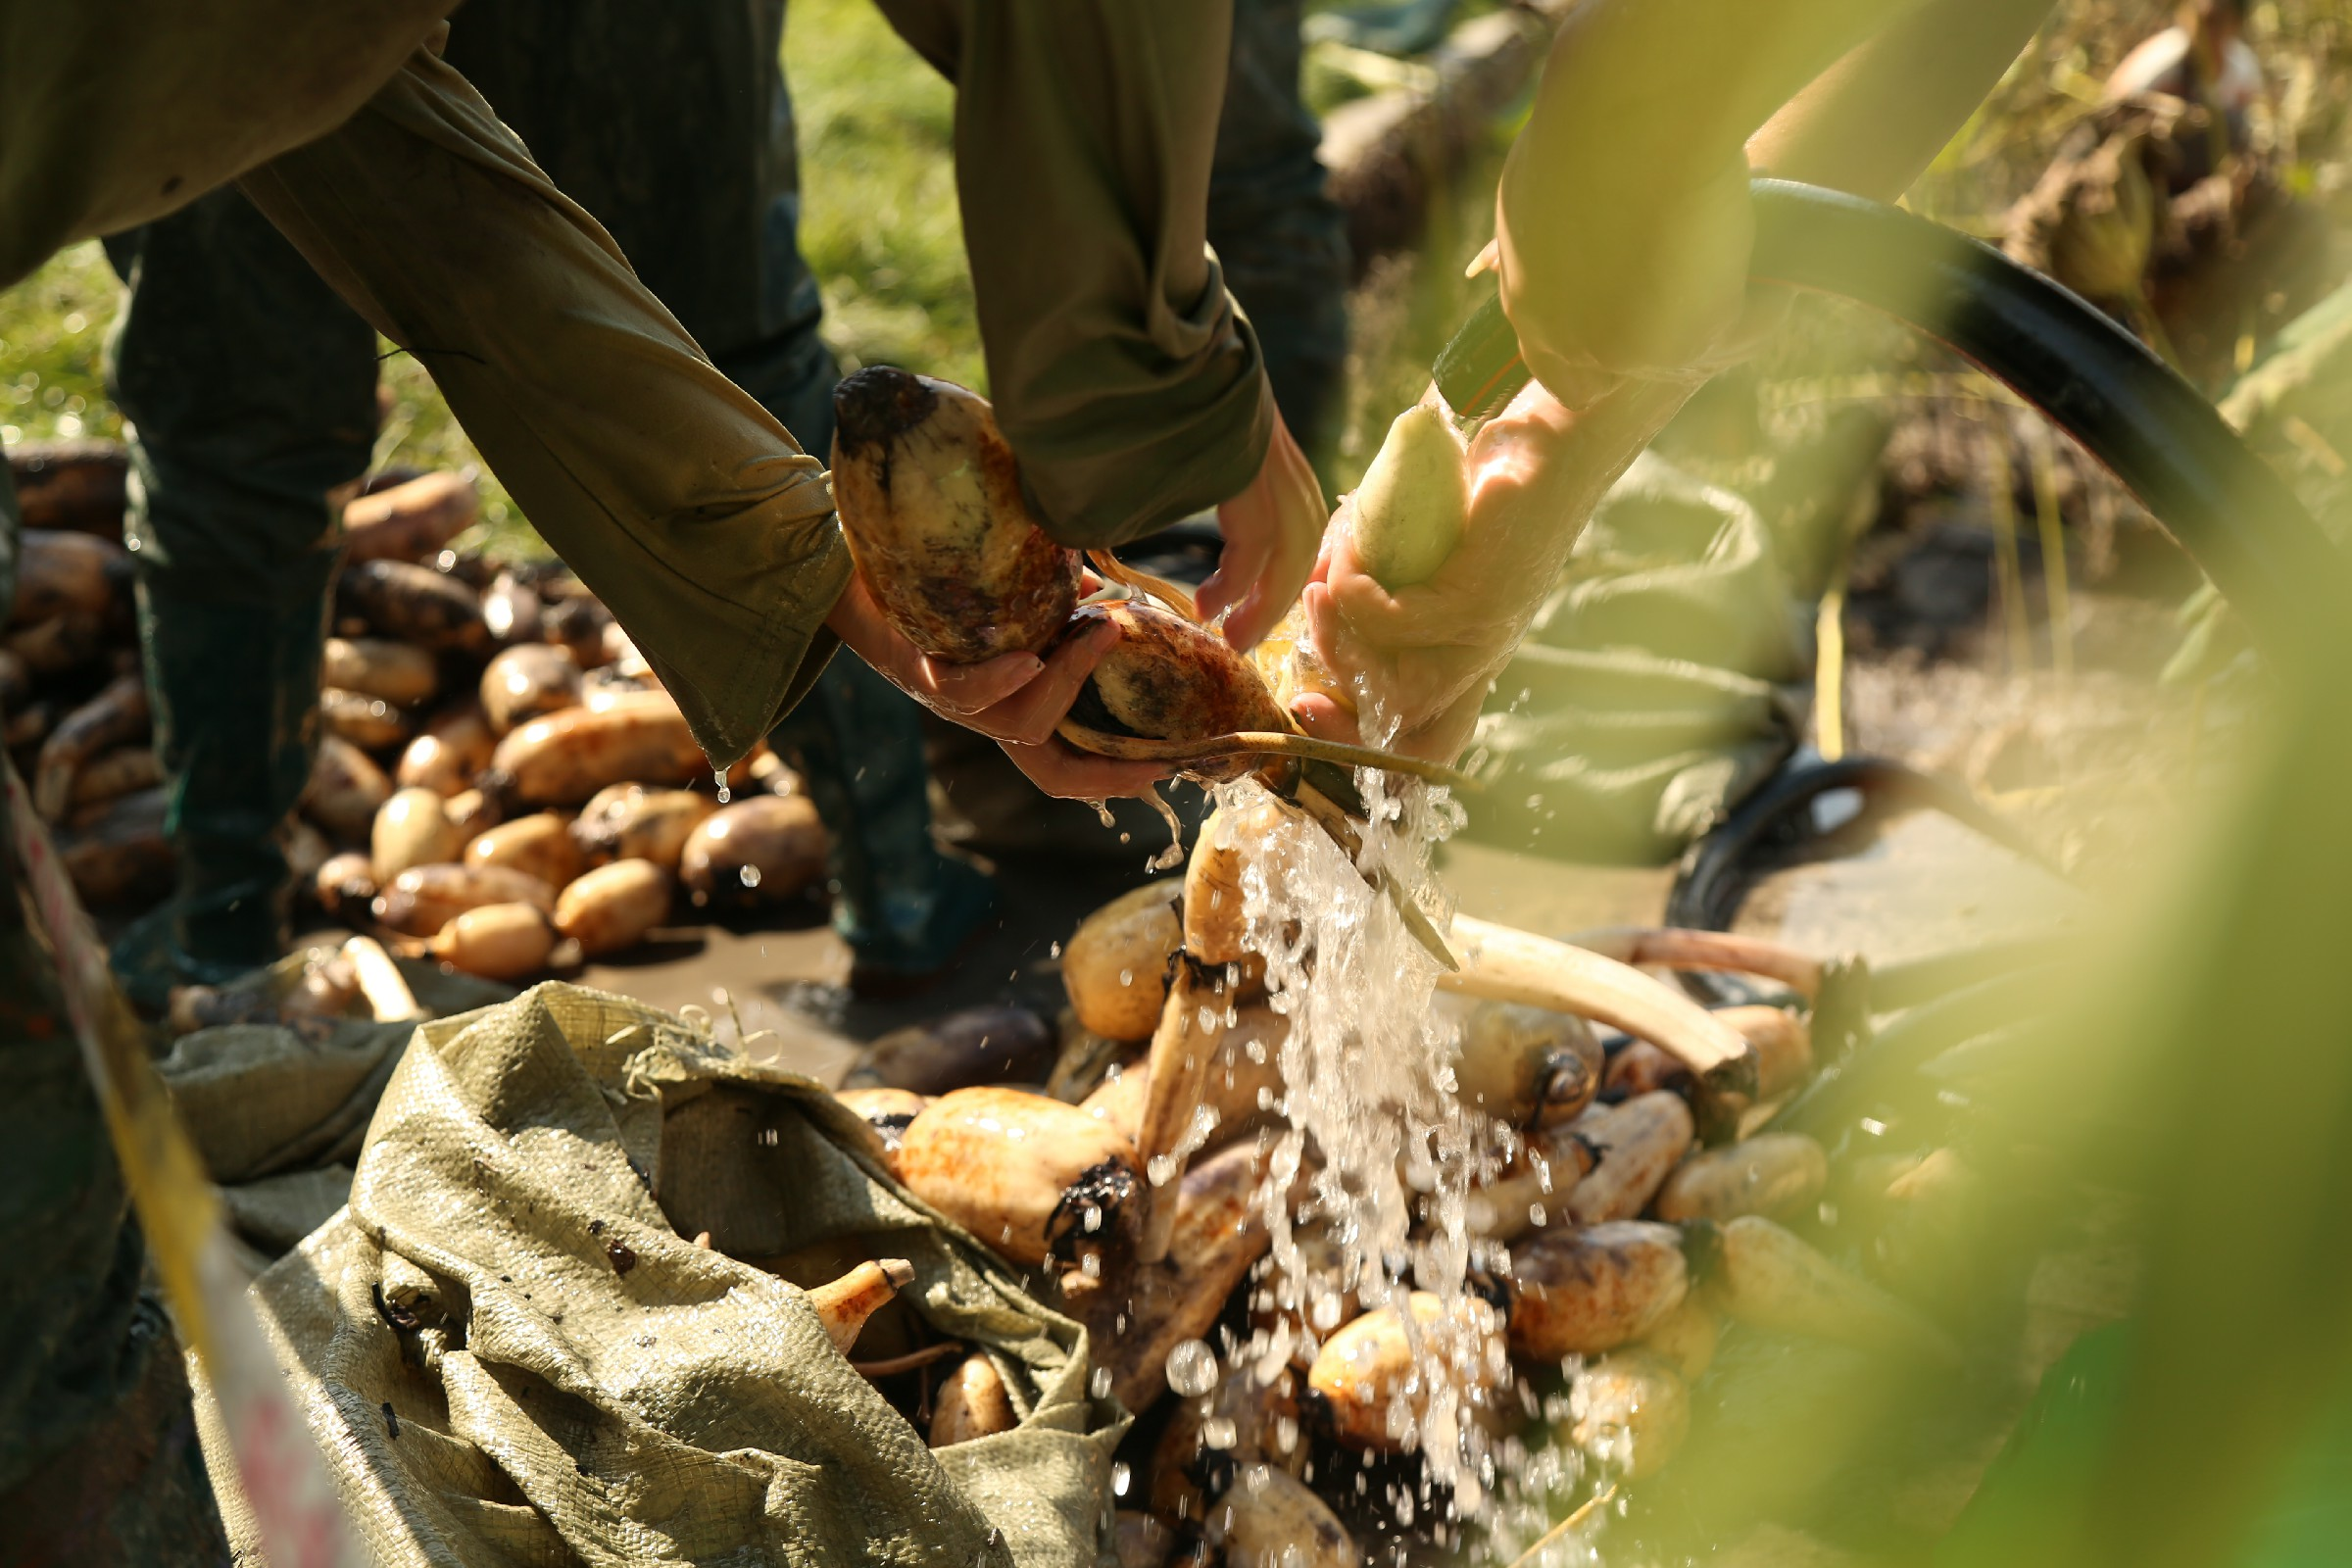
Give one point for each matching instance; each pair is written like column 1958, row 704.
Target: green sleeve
column 1123, row 374
column 113, row 114
column 676, row 498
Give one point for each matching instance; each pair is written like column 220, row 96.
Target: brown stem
column 1182, row 1051
column 890, row 1366
column 1174, row 595
column 1684, row 948
column 1259, row 743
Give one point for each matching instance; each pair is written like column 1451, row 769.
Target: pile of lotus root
column 500, row 779
column 1637, row 1217
column 1632, row 1243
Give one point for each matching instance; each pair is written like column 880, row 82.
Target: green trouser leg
column 606, row 92
column 250, row 388
column 1282, row 241
column 902, row 907
column 98, row 1456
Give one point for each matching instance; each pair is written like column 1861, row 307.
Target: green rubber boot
column 234, row 686
column 904, row 907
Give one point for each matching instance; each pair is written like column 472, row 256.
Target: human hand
column 1271, row 529
column 1424, row 657
column 1014, row 699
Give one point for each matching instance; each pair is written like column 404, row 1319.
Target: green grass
column 878, row 216
column 52, row 329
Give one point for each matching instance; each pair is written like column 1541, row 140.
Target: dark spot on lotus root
column 877, row 404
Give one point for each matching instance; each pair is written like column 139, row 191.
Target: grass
column 879, row 222
column 52, row 329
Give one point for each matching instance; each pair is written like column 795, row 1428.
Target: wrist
column 1622, row 278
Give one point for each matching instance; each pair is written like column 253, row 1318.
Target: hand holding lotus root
column 967, row 603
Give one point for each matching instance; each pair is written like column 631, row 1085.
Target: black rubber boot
column 250, row 388
column 235, row 691
column 904, row 907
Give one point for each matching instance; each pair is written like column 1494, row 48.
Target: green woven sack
column 512, row 1351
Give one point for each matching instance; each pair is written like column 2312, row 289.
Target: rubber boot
column 250, row 389
column 904, row 907
column 234, row 686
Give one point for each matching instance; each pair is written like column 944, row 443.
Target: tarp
column 512, row 1351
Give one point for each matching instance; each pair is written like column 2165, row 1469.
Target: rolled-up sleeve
column 679, row 500
column 1123, row 374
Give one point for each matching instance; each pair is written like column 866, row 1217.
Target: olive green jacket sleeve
column 1123, row 374
column 112, row 115
column 676, row 498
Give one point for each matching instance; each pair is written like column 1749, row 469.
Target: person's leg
column 904, row 907
column 98, row 1455
column 249, row 388
column 1282, row 241
column 678, row 137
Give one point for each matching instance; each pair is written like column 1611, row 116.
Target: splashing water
column 1192, row 1368
column 1376, row 1141
column 1169, row 858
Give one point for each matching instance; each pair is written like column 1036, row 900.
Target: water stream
column 1375, row 1140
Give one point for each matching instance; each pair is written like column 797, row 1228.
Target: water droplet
column 725, row 794
column 1090, row 1265
column 1191, row 1369
column 1120, row 1476
column 749, row 876
column 1219, row 1432
column 1126, row 977
column 1161, row 1170
column 1172, row 857
column 1091, row 1218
